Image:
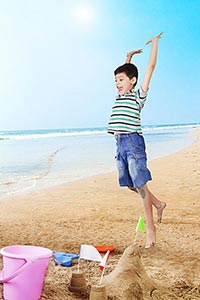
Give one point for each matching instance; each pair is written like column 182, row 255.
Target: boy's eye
column 119, row 79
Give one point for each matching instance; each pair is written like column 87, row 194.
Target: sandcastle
column 129, row 280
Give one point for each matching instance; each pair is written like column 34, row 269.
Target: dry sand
column 96, row 211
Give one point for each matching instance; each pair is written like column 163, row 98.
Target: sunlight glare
column 83, row 14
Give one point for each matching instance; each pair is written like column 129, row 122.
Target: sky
column 57, row 59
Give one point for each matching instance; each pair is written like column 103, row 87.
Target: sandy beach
column 96, row 211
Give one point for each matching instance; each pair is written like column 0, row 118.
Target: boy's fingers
column 134, row 52
column 160, row 35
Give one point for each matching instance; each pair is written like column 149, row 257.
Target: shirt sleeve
column 141, row 98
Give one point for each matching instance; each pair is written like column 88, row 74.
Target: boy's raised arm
column 151, row 63
column 130, row 55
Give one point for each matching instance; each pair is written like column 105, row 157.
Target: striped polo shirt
column 125, row 116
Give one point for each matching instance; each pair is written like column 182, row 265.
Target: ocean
column 36, row 159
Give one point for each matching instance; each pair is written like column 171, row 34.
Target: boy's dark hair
column 129, row 69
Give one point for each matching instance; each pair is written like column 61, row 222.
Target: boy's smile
column 124, row 83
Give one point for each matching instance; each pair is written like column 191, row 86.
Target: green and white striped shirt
column 125, row 116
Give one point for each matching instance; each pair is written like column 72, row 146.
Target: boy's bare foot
column 150, row 238
column 160, row 212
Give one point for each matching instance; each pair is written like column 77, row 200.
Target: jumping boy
column 125, row 124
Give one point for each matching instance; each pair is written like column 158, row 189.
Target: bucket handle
column 15, row 274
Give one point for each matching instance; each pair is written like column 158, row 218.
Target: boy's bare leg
column 159, row 205
column 150, row 228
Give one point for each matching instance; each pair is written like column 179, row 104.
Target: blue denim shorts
column 131, row 160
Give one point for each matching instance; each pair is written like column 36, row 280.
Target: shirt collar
column 131, row 92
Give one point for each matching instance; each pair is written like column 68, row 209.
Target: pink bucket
column 23, row 273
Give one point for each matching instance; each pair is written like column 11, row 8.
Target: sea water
column 36, row 159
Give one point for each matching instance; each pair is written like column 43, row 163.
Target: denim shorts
column 131, row 160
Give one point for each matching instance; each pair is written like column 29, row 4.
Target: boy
column 125, row 124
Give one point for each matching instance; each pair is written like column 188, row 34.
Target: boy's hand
column 130, row 54
column 134, row 52
column 154, row 38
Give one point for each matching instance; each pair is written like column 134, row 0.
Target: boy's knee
column 142, row 191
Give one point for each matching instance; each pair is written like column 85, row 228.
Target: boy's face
column 124, row 83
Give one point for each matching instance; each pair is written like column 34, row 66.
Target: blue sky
column 57, row 59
